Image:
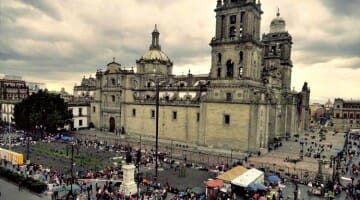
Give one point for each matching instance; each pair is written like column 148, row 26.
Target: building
column 346, row 114
column 63, row 94
column 81, row 115
column 79, row 103
column 86, row 88
column 11, row 92
column 244, row 103
column 34, row 87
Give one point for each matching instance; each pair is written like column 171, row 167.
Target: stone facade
column 244, row 103
column 346, row 115
column 11, row 92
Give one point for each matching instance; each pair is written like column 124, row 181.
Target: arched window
column 219, row 72
column 233, row 19
column 229, row 69
column 232, row 32
column 113, row 81
column 240, row 31
column 241, row 57
column 241, row 71
column 219, row 58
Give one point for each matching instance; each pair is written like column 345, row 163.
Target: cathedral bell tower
column 277, row 53
column 236, row 48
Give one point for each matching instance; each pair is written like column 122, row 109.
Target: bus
column 12, row 157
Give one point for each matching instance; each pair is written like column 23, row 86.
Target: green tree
column 42, row 110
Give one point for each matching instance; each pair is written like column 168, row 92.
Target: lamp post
column 9, row 131
column 138, row 161
column 27, row 147
column 156, row 128
column 71, row 195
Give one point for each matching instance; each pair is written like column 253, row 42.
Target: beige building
column 346, row 114
column 244, row 103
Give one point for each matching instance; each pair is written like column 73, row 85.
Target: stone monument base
column 128, row 187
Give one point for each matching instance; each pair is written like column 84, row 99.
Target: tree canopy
column 41, row 110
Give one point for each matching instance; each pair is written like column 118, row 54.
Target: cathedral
column 244, row 103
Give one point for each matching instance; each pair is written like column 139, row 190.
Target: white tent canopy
column 251, row 176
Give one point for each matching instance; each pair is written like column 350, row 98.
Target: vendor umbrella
column 58, row 189
column 198, row 190
column 252, row 187
column 256, row 187
column 75, row 187
column 260, row 186
column 274, row 179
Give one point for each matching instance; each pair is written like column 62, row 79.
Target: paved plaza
column 279, row 159
column 10, row 191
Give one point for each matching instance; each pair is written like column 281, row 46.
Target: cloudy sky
column 58, row 42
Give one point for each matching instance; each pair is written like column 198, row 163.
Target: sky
column 59, row 42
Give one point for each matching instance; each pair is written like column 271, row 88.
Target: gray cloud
column 77, row 40
column 44, row 6
column 343, row 7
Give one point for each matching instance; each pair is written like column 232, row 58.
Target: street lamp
column 27, row 147
column 156, row 127
column 138, row 162
column 71, row 195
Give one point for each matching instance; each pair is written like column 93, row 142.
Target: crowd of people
column 106, row 186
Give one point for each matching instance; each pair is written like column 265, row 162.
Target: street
column 9, row 191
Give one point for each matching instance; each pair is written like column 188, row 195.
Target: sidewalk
column 220, row 155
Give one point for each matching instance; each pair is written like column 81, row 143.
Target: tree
column 43, row 111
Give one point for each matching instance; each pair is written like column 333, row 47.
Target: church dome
column 278, row 24
column 155, row 54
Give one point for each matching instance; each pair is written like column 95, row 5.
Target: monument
column 128, row 186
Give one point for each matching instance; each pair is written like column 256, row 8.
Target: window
column 80, row 111
column 80, row 122
column 358, row 116
column 113, row 98
column 233, row 19
column 134, row 112
column 94, row 109
column 227, row 119
column 152, row 113
column 242, row 17
column 113, row 82
column 219, row 72
column 174, row 115
column 148, row 84
column 241, row 71
column 241, row 57
column 345, row 115
column 228, row 96
column 337, row 115
column 351, row 116
column 229, row 69
column 273, row 50
column 197, row 117
column 232, row 32
column 351, row 121
column 219, row 58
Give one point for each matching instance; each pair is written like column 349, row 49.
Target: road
column 10, row 191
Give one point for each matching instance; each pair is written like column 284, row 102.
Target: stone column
column 128, row 185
